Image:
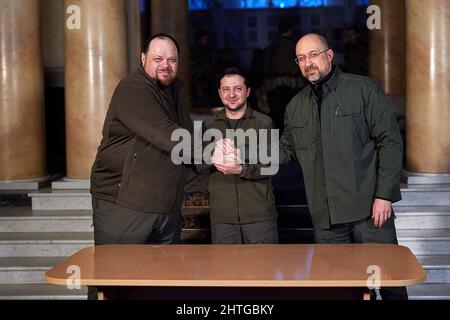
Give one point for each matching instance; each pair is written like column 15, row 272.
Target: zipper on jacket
column 313, row 119
column 132, row 161
column 234, row 176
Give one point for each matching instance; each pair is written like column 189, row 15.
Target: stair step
column 421, row 210
column 426, row 241
column 437, row 268
column 425, row 195
column 80, row 199
column 425, row 178
column 40, row 292
column 427, row 217
column 48, row 199
column 16, row 270
column 24, row 212
column 434, row 261
column 22, row 219
column 43, row 244
column 429, row 291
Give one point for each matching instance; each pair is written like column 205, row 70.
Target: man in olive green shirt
column 242, row 204
column 342, row 131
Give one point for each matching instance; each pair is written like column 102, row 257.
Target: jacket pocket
column 351, row 124
column 128, row 167
column 346, row 127
column 301, row 133
column 348, row 110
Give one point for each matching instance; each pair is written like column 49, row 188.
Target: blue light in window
column 142, row 6
column 197, row 5
column 284, row 3
column 335, row 3
column 245, row 4
column 255, row 3
column 311, row 3
column 362, row 2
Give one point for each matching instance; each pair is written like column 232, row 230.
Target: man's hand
column 225, row 146
column 226, row 157
column 229, row 169
column 381, row 211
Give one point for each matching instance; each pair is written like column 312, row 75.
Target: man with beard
column 137, row 191
column 342, row 131
column 242, row 206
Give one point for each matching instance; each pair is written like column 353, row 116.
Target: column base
column 12, row 186
column 71, row 184
column 425, row 178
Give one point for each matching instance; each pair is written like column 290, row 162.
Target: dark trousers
column 256, row 232
column 364, row 231
column 118, row 225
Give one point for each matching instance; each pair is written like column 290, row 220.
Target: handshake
column 226, row 157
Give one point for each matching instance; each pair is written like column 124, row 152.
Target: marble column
column 172, row 17
column 52, row 31
column 387, row 47
column 95, row 60
column 22, row 121
column 428, row 86
column 134, row 34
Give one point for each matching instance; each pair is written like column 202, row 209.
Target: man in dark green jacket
column 342, row 131
column 242, row 205
column 137, row 191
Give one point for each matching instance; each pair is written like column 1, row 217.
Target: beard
column 314, row 77
column 237, row 108
column 166, row 81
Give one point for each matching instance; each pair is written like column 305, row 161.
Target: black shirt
column 233, row 123
column 318, row 87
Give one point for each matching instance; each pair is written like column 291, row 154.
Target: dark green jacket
column 349, row 157
column 133, row 167
column 247, row 197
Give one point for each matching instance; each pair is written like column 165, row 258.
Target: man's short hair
column 160, row 35
column 231, row 72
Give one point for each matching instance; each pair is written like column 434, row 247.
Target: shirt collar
column 247, row 114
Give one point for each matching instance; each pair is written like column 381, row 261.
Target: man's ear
column 143, row 58
column 330, row 54
column 248, row 91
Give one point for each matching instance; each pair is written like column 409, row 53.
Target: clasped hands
column 226, row 157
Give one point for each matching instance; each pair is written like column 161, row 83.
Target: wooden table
column 205, row 271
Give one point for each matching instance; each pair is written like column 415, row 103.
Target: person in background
column 356, row 53
column 202, row 71
column 282, row 77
